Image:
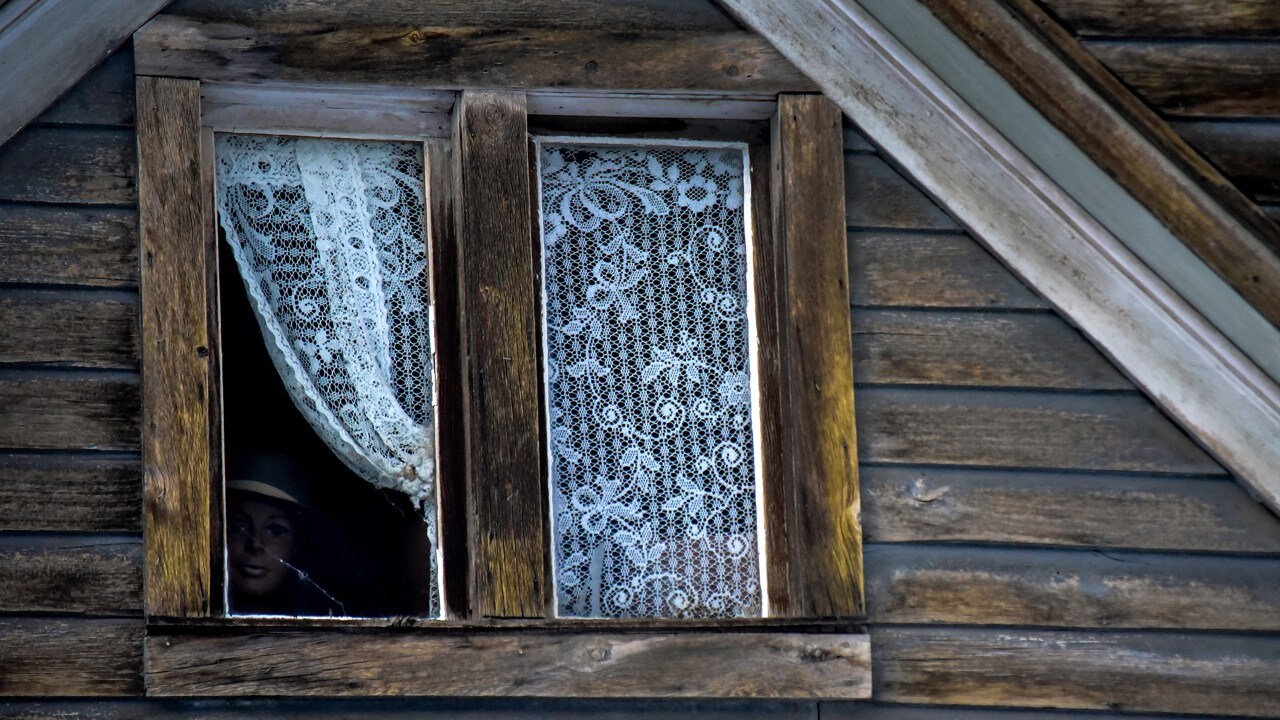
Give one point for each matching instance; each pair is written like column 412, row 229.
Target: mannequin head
column 268, row 503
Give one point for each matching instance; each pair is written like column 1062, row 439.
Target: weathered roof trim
column 1037, row 228
column 1052, row 71
column 46, row 46
column 1171, row 246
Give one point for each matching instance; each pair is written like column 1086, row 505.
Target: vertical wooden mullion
column 771, row 451
column 451, row 437
column 499, row 312
column 176, row 350
column 217, row 450
column 820, row 467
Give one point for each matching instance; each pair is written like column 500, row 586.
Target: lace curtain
column 648, row 386
column 329, row 239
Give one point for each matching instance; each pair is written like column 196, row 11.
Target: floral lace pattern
column 648, row 383
column 329, row 239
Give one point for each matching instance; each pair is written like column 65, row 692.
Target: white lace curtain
column 329, row 239
column 648, row 381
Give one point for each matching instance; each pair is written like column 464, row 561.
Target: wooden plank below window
column 499, row 313
column 176, row 349
column 821, row 466
column 576, row 665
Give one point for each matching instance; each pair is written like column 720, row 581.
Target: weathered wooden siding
column 1212, row 67
column 1041, row 543
column 1038, row 534
column 70, row 478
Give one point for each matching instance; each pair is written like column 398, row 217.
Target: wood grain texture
column 74, row 328
column 56, row 164
column 69, row 410
column 932, row 270
column 581, row 665
column 1169, row 18
column 687, row 15
column 933, row 585
column 499, row 320
column 820, row 466
column 1198, row 78
column 1023, row 429
column 1247, row 151
column 891, row 711
column 84, row 492
column 1027, row 219
column 71, row 574
column 451, row 449
column 102, row 97
column 772, row 450
column 49, row 48
column 1118, row 671
column 414, row 709
column 72, row 657
column 175, row 350
column 68, row 245
column 877, row 196
column 1126, row 139
column 917, row 504
column 471, row 57
column 979, row 349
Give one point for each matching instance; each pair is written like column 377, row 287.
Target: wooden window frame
column 501, row 638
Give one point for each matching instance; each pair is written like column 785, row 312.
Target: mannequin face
column 262, row 538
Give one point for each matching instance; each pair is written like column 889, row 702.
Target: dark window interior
column 365, row 549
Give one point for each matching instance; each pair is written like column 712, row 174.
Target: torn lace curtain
column 329, row 239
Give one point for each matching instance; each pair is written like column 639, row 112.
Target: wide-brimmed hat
column 271, row 474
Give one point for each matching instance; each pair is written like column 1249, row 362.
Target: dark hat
column 274, row 475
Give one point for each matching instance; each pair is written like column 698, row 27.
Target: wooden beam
column 96, row 574
column 62, row 245
column 932, row 270
column 70, row 657
column 70, row 328
column 1182, row 361
column 70, row 165
column 69, row 409
column 499, row 321
column 1198, row 78
column 634, row 15
column 950, row 585
column 1106, row 120
column 359, row 112
column 977, row 349
column 461, row 57
column 1121, row 432
column 929, row 504
column 49, row 47
column 176, row 349
column 820, row 467
column 97, row 492
column 577, row 665
column 1169, row 18
column 1201, row 673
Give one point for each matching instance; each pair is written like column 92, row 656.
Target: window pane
column 329, row 238
column 653, row 480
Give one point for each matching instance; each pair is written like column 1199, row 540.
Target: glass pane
column 329, row 239
column 653, row 481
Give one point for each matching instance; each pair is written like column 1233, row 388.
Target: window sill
column 587, row 659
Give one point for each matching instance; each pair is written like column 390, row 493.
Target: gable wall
column 1038, row 535
column 1210, row 67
